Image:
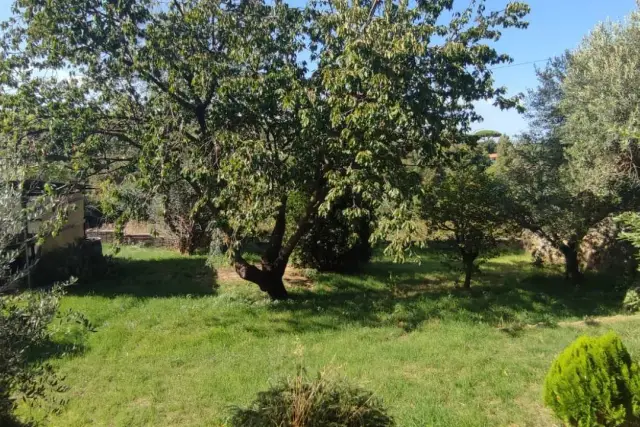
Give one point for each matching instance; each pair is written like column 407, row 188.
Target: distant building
column 68, row 234
column 493, row 157
column 70, row 231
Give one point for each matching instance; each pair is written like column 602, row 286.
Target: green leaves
column 601, row 107
column 594, row 382
column 245, row 101
column 466, row 202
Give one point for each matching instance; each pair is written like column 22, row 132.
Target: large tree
column 545, row 196
column 543, row 200
column 216, row 94
column 600, row 103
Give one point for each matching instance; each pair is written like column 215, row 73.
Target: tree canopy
column 246, row 102
column 600, row 103
column 467, row 202
column 546, row 198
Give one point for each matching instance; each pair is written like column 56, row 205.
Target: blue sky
column 555, row 25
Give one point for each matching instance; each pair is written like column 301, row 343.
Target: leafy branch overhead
column 248, row 102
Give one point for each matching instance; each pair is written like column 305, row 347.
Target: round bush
column 335, row 242
column 318, row 403
column 595, row 383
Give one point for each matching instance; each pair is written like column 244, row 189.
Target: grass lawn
column 173, row 349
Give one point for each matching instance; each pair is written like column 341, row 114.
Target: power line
column 520, row 63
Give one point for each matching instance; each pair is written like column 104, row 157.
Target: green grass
column 173, row 349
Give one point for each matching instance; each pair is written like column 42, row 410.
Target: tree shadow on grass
column 407, row 295
column 7, row 420
column 152, row 278
column 384, row 294
column 51, row 349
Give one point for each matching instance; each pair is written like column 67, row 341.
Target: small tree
column 466, row 201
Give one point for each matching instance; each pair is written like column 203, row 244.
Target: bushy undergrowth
column 25, row 328
column 300, row 402
column 595, row 383
column 83, row 260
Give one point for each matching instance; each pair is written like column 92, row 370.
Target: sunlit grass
column 173, row 348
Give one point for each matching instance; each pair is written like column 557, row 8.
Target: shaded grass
column 172, row 349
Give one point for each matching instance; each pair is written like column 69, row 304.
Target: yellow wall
column 71, row 231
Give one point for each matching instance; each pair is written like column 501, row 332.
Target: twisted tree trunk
column 269, row 277
column 572, row 271
column 468, row 259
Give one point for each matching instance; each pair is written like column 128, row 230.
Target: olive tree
column 602, row 118
column 544, row 201
column 249, row 103
column 545, row 194
column 600, row 103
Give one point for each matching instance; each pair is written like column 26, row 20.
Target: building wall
column 71, row 231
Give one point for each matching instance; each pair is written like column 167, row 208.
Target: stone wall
column 600, row 250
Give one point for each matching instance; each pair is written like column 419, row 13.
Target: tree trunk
column 276, row 257
column 269, row 278
column 468, row 260
column 571, row 263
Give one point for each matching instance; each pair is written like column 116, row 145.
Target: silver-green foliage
column 601, row 104
column 24, row 327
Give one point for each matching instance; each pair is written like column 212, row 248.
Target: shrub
column 300, row 402
column 82, row 259
column 631, row 301
column 336, row 242
column 25, row 328
column 594, row 383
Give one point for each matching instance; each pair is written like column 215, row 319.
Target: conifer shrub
column 631, row 302
column 595, row 383
column 300, row 402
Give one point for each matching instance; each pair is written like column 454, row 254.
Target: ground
column 173, row 347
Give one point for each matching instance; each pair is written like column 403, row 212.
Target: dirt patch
column 587, row 322
column 596, row 321
column 293, row 277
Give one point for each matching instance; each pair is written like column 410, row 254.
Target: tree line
column 253, row 120
column 243, row 104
